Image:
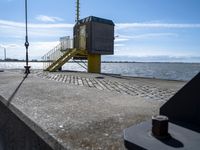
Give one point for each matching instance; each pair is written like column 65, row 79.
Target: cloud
column 148, row 51
column 44, row 45
column 119, row 45
column 9, row 46
column 38, row 46
column 44, row 31
column 5, row 23
column 121, row 39
column 118, row 25
column 44, row 18
column 146, row 36
column 44, row 36
column 36, row 49
column 155, row 25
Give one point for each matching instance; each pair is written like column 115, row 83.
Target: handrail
column 52, row 56
column 56, row 52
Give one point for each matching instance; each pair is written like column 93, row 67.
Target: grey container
column 94, row 34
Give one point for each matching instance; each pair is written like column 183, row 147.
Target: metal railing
column 56, row 52
column 52, row 56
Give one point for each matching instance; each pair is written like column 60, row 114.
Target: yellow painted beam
column 94, row 63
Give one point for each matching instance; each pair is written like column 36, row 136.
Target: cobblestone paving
column 138, row 89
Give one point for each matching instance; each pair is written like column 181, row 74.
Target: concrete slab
column 70, row 116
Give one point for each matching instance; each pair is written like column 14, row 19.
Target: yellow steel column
column 94, row 63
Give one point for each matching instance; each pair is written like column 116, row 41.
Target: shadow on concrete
column 170, row 141
column 16, row 90
column 131, row 146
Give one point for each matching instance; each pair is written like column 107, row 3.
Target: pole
column 26, row 44
column 77, row 10
column 4, row 53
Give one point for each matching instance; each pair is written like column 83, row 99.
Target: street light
column 26, row 44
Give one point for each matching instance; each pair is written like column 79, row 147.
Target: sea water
column 171, row 71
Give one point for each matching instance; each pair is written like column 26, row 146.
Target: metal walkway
column 61, row 54
column 62, row 60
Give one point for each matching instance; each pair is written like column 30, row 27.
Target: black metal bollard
column 160, row 126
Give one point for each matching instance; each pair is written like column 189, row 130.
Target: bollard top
column 160, row 118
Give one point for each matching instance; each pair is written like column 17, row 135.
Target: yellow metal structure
column 82, row 44
column 81, row 50
column 94, row 63
column 63, row 59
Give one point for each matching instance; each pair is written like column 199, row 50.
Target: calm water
column 174, row 71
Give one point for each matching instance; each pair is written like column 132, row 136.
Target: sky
column 145, row 30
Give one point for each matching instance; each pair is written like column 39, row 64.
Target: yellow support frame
column 94, row 63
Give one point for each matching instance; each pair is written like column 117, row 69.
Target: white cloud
column 16, row 30
column 58, row 25
column 6, row 23
column 143, row 51
column 146, row 36
column 119, row 45
column 44, row 36
column 121, row 39
column 36, row 49
column 48, row 18
column 9, row 46
column 155, row 25
column 43, row 45
column 118, row 25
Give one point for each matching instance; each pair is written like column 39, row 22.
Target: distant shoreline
column 40, row 61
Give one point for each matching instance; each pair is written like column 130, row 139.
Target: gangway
column 70, row 53
column 62, row 53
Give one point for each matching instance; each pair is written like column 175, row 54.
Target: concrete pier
column 71, row 110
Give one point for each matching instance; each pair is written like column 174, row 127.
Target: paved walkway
column 100, row 82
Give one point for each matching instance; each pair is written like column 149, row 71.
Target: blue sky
column 146, row 30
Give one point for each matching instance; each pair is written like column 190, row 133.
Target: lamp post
column 26, row 44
